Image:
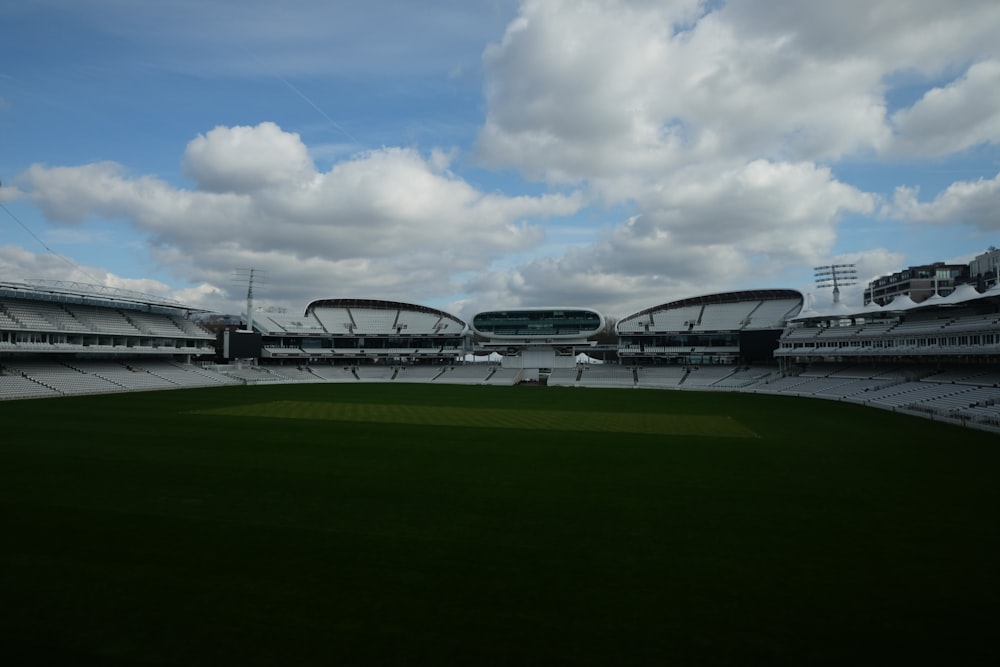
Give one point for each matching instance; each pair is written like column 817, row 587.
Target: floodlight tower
column 835, row 275
column 248, row 276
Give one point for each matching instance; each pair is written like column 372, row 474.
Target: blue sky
column 483, row 153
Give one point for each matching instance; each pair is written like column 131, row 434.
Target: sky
column 479, row 154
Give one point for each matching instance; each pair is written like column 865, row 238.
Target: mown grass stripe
column 540, row 420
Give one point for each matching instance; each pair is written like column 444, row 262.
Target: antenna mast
column 835, row 275
column 249, row 276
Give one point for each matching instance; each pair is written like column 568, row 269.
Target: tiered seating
column 746, row 377
column 705, row 376
column 789, row 383
column 840, row 387
column 277, row 324
column 125, row 376
column 563, row 377
column 801, row 333
column 984, row 414
column 912, row 393
column 64, row 379
column 293, row 373
column 972, row 323
column 418, row 373
column 252, row 374
column 965, row 375
column 771, row 314
column 961, row 400
column 375, row 373
column 6, row 321
column 334, row 320
column 29, row 315
column 61, row 316
column 725, row 316
column 676, row 319
column 918, row 327
column 16, row 386
column 633, row 324
column 154, row 324
column 606, row 375
column 505, row 377
column 374, row 321
column 465, row 374
column 192, row 328
column 660, row 376
column 334, row 373
column 183, row 375
column 874, row 330
column 104, row 320
column 823, row 370
column 418, row 323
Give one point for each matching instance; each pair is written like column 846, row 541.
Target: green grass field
column 380, row 524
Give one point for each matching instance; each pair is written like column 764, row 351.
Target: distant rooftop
column 69, row 291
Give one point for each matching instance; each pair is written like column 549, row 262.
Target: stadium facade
column 76, row 320
column 963, row 327
column 727, row 328
column 361, row 331
column 939, row 357
column 59, row 338
column 537, row 340
column 917, row 282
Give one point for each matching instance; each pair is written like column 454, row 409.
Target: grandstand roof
column 724, row 297
column 963, row 295
column 100, row 295
column 376, row 304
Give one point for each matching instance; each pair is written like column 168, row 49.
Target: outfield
column 384, row 524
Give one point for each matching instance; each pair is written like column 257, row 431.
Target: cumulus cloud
column 244, row 159
column 386, row 221
column 692, row 146
column 715, row 124
column 975, row 203
column 891, row 34
column 952, row 118
column 586, row 90
column 580, row 91
column 695, row 233
column 19, row 264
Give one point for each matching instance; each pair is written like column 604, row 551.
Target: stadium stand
column 466, row 374
column 361, row 331
column 606, row 375
column 938, row 359
column 59, row 338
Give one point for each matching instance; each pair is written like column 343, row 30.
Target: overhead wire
column 42, row 243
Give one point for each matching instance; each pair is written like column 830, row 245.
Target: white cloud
column 921, row 35
column 952, row 118
column 695, row 233
column 19, row 264
column 384, row 222
column 588, row 90
column 975, row 203
column 713, row 123
column 245, row 159
column 693, row 143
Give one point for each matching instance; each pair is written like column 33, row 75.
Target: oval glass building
column 538, row 324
